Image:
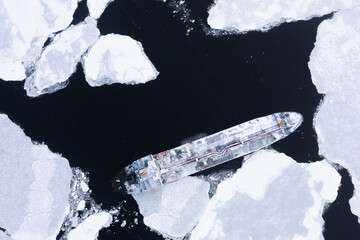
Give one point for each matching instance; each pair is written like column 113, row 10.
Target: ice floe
column 174, row 209
column 97, row 7
column 335, row 70
column 58, row 61
column 245, row 15
column 25, row 27
column 35, row 46
column 40, row 194
column 90, row 227
column 35, row 184
column 270, row 197
column 117, row 59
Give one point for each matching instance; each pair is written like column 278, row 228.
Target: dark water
column 340, row 223
column 206, row 84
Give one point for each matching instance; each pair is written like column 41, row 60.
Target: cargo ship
column 153, row 171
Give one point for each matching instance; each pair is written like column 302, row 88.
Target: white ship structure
column 153, row 171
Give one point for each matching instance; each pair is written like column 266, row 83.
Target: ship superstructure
column 152, row 171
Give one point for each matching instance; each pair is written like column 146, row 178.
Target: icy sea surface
column 205, row 77
column 335, row 69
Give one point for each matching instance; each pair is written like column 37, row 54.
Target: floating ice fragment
column 60, row 58
column 81, row 205
column 90, row 227
column 25, row 27
column 123, row 223
column 84, row 186
column 174, row 209
column 181, row 10
column 97, row 7
column 35, row 184
column 270, row 197
column 335, row 70
column 117, row 59
column 245, row 15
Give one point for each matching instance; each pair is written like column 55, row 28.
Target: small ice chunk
column 26, row 26
column 335, row 70
column 81, row 205
column 84, row 186
column 90, row 227
column 123, row 223
column 97, row 7
column 176, row 208
column 34, row 183
column 117, row 59
column 270, row 197
column 58, row 61
column 247, row 15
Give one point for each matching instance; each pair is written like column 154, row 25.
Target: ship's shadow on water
column 206, row 84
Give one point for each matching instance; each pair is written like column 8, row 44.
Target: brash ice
column 152, row 171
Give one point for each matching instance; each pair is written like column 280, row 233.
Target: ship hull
column 153, row 171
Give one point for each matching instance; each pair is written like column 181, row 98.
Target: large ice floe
column 97, row 7
column 335, row 70
column 116, row 58
column 25, row 26
column 34, row 184
column 58, row 61
column 40, row 194
column 245, row 15
column 270, row 197
column 174, row 209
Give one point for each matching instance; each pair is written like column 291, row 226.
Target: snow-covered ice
column 335, row 70
column 97, row 7
column 58, row 61
column 25, row 26
column 3, row 236
column 247, row 15
column 35, row 184
column 174, row 209
column 117, row 59
column 90, row 227
column 270, row 197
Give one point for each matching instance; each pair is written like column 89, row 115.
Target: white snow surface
column 59, row 59
column 270, row 197
column 335, row 70
column 174, row 209
column 24, row 28
column 247, row 15
column 97, row 7
column 90, row 227
column 34, row 183
column 3, row 236
column 117, row 59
